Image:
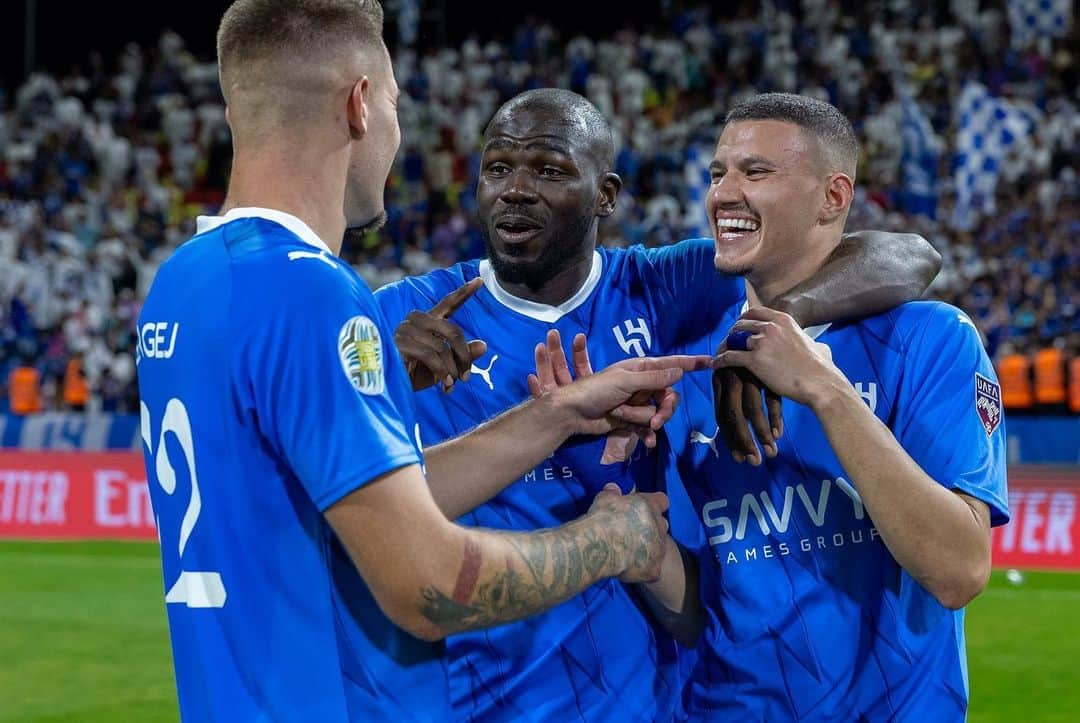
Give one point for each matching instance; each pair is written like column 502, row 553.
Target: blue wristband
column 737, row 340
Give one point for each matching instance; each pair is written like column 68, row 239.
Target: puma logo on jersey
column 320, row 255
column 637, row 338
column 485, row 374
column 710, row 442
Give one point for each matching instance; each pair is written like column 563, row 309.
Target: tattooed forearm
column 595, row 554
column 506, row 577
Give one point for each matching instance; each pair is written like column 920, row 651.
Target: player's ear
column 356, row 108
column 839, row 192
column 610, row 186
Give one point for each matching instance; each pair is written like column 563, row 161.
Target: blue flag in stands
column 988, row 127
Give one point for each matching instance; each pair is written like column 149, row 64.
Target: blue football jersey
column 271, row 389
column 596, row 657
column 809, row 615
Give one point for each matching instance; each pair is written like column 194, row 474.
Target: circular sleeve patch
column 360, row 350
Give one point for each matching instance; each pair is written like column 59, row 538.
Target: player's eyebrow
column 743, row 162
column 756, row 161
column 543, row 144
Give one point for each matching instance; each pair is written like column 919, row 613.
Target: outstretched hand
column 628, row 401
column 433, row 348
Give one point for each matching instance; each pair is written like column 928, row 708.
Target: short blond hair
column 279, row 60
column 284, row 30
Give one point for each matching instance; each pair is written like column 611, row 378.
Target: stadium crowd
column 104, row 168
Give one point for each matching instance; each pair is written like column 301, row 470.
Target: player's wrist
column 661, row 587
column 556, row 412
column 610, row 529
column 831, row 395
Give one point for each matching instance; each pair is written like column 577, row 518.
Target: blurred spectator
column 76, row 391
column 102, row 175
column 24, row 388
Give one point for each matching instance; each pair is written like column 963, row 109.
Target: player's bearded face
column 765, row 196
column 518, row 264
column 536, row 204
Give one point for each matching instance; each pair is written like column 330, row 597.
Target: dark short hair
column 822, row 120
column 253, row 30
column 594, row 130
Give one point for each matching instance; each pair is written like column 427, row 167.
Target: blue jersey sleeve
column 327, row 391
column 396, row 300
column 948, row 415
column 701, row 294
column 421, row 292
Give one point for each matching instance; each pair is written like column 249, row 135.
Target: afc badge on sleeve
column 360, row 349
column 988, row 402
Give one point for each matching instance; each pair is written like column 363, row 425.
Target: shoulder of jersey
column 287, row 263
column 705, row 242
column 434, row 284
column 688, row 248
column 919, row 317
column 196, row 252
column 635, row 261
column 287, row 250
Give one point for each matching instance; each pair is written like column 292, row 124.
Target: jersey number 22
column 195, row 589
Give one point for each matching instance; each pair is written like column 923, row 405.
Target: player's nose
column 725, row 191
column 520, row 187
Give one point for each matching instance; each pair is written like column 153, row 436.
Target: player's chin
column 733, row 264
column 372, row 223
column 518, row 253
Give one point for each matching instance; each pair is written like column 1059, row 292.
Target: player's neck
column 263, row 180
column 559, row 288
column 765, row 286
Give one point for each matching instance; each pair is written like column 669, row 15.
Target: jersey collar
column 535, row 310
column 812, row 331
column 298, row 227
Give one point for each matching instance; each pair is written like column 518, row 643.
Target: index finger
column 642, row 379
column 686, row 362
column 453, row 301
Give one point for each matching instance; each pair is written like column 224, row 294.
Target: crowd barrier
column 103, row 495
column 70, row 430
column 74, row 496
column 1042, row 533
column 1043, row 440
column 1031, row 440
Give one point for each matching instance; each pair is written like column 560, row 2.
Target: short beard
column 740, row 272
column 373, row 224
column 532, row 274
column 535, row 274
column 354, row 235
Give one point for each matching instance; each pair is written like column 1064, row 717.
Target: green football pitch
column 83, row 639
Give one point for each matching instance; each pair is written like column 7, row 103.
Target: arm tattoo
column 538, row 571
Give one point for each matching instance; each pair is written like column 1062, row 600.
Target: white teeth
column 736, row 224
